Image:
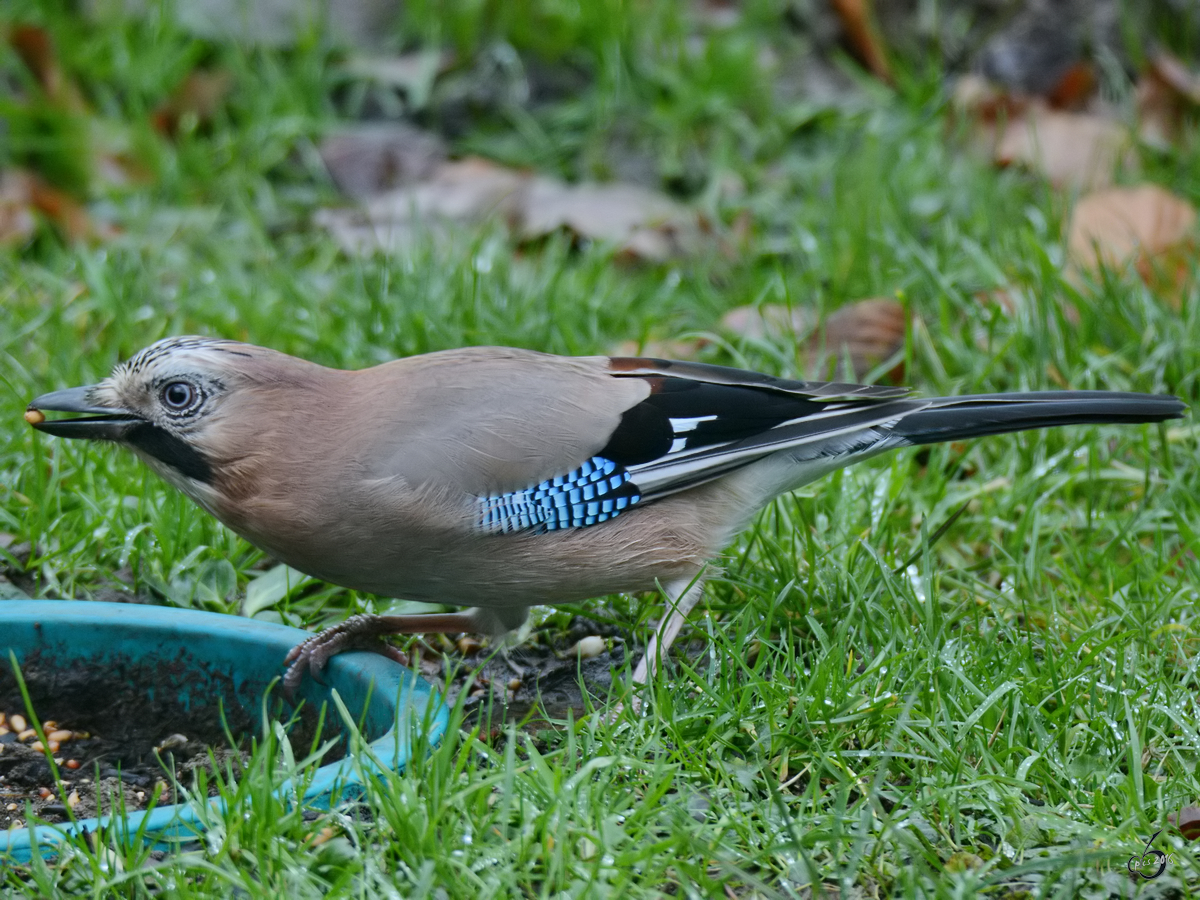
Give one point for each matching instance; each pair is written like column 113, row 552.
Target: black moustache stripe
column 168, row 448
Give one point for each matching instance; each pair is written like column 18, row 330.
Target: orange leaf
column 199, row 97
column 36, row 49
column 863, row 37
column 1074, row 88
column 68, row 214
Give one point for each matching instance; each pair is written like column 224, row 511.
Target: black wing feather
column 702, row 421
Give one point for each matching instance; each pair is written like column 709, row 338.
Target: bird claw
column 313, row 654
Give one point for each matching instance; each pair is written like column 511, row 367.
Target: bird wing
column 546, row 442
column 702, row 421
column 691, row 423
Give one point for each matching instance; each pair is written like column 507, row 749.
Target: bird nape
column 495, row 478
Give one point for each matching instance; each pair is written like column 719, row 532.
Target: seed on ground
column 469, row 646
column 588, row 647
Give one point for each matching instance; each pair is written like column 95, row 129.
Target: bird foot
column 359, row 632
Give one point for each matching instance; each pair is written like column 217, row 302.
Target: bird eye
column 178, row 396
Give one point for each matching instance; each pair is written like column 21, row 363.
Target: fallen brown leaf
column 1074, row 88
column 1187, row 822
column 466, row 191
column 867, row 331
column 1069, row 149
column 24, row 196
column 1120, row 225
column 36, row 49
column 197, row 98
column 367, row 160
column 1175, row 74
column 67, row 214
column 1164, row 92
column 17, row 222
column 1011, row 301
column 974, row 95
column 863, row 37
column 661, row 349
column 640, row 222
column 80, row 149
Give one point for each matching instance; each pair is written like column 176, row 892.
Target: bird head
column 167, row 404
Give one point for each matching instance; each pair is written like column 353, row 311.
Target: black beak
column 103, row 423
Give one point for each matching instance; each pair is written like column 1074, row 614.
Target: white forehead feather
column 184, row 351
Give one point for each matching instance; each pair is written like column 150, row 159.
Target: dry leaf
column 656, row 349
column 641, row 223
column 68, row 214
column 369, row 159
column 1074, row 89
column 22, row 194
column 1012, row 301
column 463, row 192
column 867, row 331
column 1117, row 226
column 36, row 49
column 1164, row 91
column 975, row 96
column 717, row 13
column 197, row 98
column 17, row 222
column 1172, row 72
column 863, row 37
column 1069, row 149
column 1187, row 822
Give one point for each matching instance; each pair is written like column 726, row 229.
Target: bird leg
column 366, row 632
column 682, row 598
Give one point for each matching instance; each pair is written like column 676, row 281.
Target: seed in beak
column 35, row 416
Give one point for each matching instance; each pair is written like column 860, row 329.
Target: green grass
column 1014, row 711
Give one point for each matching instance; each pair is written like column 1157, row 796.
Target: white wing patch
column 681, row 425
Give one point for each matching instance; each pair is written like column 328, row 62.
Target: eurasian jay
column 496, row 478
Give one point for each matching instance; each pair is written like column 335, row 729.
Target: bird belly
column 426, row 545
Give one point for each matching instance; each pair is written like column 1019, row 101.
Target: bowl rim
column 412, row 700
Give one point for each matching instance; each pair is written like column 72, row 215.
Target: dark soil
column 128, row 746
column 553, row 679
column 106, row 777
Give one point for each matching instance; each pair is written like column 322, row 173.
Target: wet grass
column 1013, row 710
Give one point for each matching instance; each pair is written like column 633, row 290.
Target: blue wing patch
column 597, row 491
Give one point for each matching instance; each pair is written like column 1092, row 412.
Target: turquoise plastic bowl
column 208, row 664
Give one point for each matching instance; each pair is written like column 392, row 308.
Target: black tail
column 958, row 418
